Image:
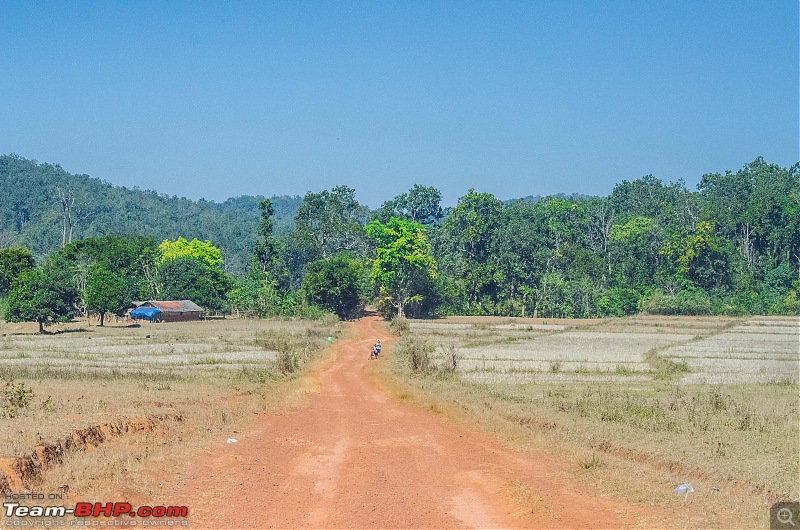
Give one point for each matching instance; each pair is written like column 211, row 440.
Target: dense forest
column 42, row 207
column 732, row 246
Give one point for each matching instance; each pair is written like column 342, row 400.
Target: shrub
column 287, row 361
column 450, row 357
column 275, row 340
column 399, row 326
column 788, row 306
column 686, row 302
column 15, row 398
column 617, row 302
column 591, row 462
column 417, row 354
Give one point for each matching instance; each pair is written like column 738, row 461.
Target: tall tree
column 332, row 221
column 757, row 207
column 106, row 292
column 192, row 270
column 333, row 284
column 266, row 249
column 205, row 251
column 190, row 278
column 403, row 265
column 466, row 243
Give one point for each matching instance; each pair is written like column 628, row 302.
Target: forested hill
column 41, row 205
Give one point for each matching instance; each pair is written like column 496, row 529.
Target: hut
column 172, row 310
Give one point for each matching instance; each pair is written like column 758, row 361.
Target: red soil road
column 357, row 458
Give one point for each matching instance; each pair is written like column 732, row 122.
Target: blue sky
column 218, row 99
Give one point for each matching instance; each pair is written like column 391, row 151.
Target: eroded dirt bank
column 19, row 474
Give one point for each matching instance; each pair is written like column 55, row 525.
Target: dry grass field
column 638, row 405
column 207, row 378
column 642, row 404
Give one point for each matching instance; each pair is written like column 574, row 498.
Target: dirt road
column 355, row 457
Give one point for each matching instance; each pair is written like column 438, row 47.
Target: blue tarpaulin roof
column 147, row 313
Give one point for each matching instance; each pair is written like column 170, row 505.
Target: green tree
column 260, row 297
column 205, row 251
column 192, row 270
column 757, row 207
column 297, row 251
column 634, row 250
column 266, row 249
column 13, row 261
column 44, row 295
column 333, row 284
column 132, row 258
column 332, row 221
column 403, row 266
column 106, row 292
column 243, row 296
column 191, row 278
column 421, row 204
column 467, row 243
column 697, row 256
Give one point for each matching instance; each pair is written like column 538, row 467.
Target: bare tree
column 67, row 201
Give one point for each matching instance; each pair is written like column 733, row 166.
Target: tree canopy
column 403, row 264
column 732, row 246
column 44, row 295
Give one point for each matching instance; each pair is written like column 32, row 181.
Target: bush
column 451, row 356
column 275, row 340
column 286, row 361
column 617, row 302
column 686, row 302
column 15, row 398
column 788, row 306
column 399, row 326
column 417, row 354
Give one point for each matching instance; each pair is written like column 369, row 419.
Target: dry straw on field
column 670, row 399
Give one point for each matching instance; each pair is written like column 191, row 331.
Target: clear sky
column 218, row 99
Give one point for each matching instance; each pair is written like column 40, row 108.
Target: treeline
column 730, row 247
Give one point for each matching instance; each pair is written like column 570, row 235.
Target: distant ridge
column 32, row 213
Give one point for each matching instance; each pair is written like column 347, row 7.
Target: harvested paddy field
column 644, row 403
column 623, row 410
column 711, row 350
column 199, row 379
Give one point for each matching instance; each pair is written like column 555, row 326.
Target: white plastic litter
column 684, row 489
column 232, row 440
